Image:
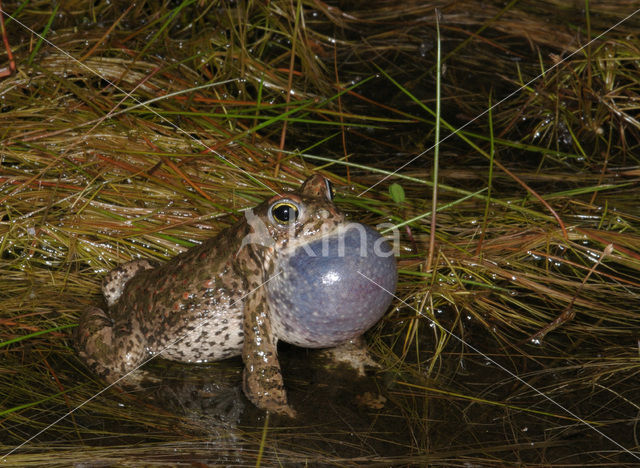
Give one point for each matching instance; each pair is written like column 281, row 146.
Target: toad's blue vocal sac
column 293, row 270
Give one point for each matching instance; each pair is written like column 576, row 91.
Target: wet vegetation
column 138, row 130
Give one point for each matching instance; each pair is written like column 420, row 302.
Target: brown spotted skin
column 262, row 379
column 206, row 304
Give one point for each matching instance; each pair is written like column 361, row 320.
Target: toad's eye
column 331, row 192
column 284, row 212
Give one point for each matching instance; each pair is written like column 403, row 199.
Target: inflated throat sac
column 334, row 288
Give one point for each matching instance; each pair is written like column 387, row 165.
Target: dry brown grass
column 145, row 130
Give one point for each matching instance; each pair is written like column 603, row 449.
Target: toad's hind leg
column 114, row 281
column 107, row 349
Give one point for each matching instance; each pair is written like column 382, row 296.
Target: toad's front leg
column 262, row 382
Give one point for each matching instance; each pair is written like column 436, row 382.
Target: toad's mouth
column 333, row 288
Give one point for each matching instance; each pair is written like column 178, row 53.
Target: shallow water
column 464, row 410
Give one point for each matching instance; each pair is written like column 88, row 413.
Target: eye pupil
column 284, row 213
column 331, row 192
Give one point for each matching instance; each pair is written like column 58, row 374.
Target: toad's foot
column 262, row 381
column 354, row 353
column 266, row 390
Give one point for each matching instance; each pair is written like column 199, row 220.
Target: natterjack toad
column 292, row 270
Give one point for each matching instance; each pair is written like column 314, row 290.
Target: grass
column 177, row 116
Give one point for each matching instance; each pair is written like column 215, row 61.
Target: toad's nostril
column 324, row 214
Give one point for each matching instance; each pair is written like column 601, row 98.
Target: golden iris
column 284, row 212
